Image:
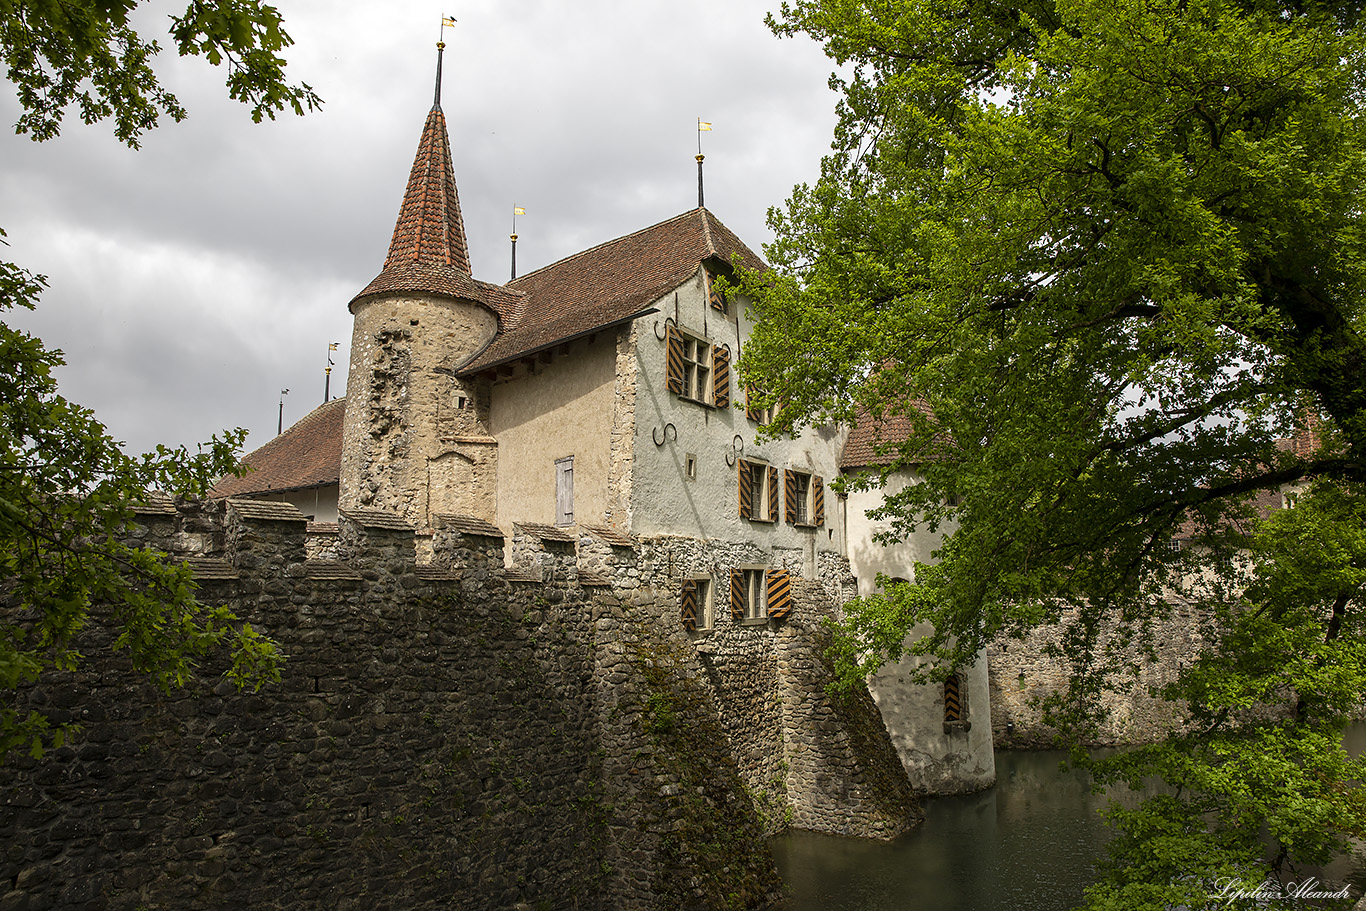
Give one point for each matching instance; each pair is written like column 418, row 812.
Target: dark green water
column 1028, row 844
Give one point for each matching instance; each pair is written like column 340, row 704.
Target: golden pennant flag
column 518, row 210
column 703, row 126
column 448, row 20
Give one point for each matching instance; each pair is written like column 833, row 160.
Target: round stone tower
column 415, row 441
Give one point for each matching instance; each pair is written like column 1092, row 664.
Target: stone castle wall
column 1024, row 673
column 450, row 735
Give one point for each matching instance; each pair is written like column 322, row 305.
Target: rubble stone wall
column 446, row 735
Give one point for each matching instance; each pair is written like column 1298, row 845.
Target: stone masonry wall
column 443, row 737
column 438, row 740
column 806, row 758
column 1023, row 674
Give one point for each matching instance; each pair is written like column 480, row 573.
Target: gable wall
column 552, row 411
column 668, row 428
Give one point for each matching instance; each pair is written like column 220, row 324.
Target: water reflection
column 1026, row 845
column 1029, row 844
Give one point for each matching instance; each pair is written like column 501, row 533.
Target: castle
column 596, row 395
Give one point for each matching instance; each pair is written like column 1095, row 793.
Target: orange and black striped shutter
column 751, row 412
column 718, row 300
column 720, row 372
column 674, row 356
column 746, row 494
column 790, row 495
column 687, row 604
column 779, row 594
column 953, row 705
column 737, row 594
column 818, row 500
column 772, row 494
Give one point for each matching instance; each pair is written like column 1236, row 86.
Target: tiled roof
column 610, row 283
column 267, row 511
column 428, row 252
column 308, row 454
column 868, row 435
column 379, row 519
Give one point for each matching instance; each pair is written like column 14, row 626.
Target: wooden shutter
column 818, row 500
column 687, row 604
column 953, row 704
column 746, row 495
column 772, row 494
column 718, row 300
column 673, row 340
column 737, row 594
column 779, row 594
column 790, row 495
column 720, row 377
column 750, row 411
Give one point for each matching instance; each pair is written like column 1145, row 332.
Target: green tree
column 1100, row 256
column 64, row 52
column 67, row 567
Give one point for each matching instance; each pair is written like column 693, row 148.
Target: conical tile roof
column 428, row 252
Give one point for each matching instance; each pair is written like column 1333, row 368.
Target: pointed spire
column 428, row 251
column 430, row 229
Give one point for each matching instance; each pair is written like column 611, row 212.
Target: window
column 714, row 296
column 748, row 593
column 564, row 491
column 803, row 498
column 695, row 604
column 953, row 706
column 690, row 466
column 696, row 369
column 758, row 491
column 760, row 593
column 956, row 705
column 759, row 413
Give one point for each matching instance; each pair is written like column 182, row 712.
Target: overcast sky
column 193, row 280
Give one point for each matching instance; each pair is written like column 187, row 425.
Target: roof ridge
column 706, row 230
column 606, row 243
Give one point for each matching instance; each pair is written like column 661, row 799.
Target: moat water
column 1028, row 844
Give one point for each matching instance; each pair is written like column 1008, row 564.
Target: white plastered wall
column 668, row 428
column 938, row 758
column 553, row 411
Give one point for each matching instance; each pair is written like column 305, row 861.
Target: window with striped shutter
column 818, row 500
column 790, row 509
column 779, row 594
column 737, row 594
column 720, row 375
column 673, row 341
column 717, row 299
column 953, row 704
column 752, row 411
column 687, row 604
column 772, row 494
column 746, row 489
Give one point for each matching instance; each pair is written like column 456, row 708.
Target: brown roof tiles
column 308, row 454
column 873, row 441
column 428, row 252
column 610, row 283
